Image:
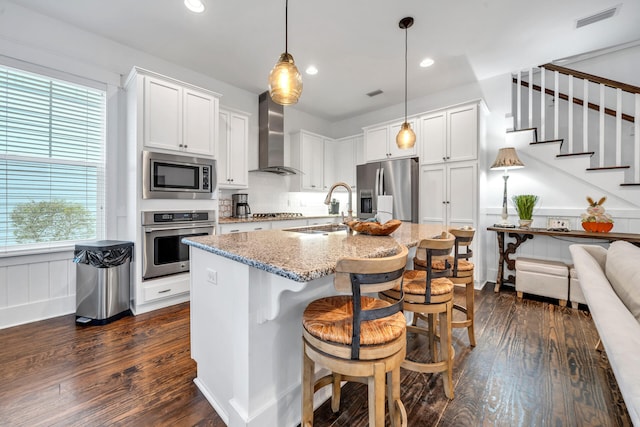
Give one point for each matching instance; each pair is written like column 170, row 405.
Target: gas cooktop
column 277, row 215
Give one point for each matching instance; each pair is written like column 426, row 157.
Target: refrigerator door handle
column 377, row 187
column 381, row 191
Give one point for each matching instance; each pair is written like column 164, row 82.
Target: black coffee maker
column 240, row 208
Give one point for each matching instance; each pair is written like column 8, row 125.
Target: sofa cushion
column 623, row 271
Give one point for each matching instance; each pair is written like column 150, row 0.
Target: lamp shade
column 507, row 159
column 285, row 81
column 406, row 138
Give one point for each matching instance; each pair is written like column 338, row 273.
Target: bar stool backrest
column 464, row 237
column 367, row 275
column 435, row 248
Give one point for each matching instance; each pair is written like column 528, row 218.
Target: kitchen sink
column 318, row 229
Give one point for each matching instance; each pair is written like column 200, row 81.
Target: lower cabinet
column 449, row 194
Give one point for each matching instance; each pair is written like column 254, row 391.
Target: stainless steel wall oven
column 163, row 252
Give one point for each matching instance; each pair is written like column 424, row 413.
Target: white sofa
column 610, row 281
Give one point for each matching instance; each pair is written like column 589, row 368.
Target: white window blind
column 52, row 137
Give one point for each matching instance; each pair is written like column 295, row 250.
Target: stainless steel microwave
column 172, row 176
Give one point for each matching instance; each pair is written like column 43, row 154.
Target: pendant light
column 406, row 138
column 285, row 81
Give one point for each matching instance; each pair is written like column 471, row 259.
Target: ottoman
column 542, row 277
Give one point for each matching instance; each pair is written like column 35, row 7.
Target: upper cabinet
column 340, row 160
column 176, row 116
column 449, row 135
column 233, row 140
column 380, row 142
column 307, row 155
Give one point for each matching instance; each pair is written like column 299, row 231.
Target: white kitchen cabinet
column 449, row 135
column 178, row 117
column 380, row 142
column 340, row 161
column 239, row 227
column 233, row 140
column 307, row 155
column 449, row 194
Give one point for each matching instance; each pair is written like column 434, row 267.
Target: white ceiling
column 356, row 44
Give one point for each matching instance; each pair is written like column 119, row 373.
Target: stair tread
column 547, row 141
column 630, row 184
column 583, row 153
column 608, row 167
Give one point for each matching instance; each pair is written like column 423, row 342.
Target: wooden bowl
column 375, row 228
column 597, row 227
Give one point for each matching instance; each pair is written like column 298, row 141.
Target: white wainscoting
column 36, row 287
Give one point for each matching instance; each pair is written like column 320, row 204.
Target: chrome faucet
column 328, row 199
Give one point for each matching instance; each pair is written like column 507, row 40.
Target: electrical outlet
column 212, row 276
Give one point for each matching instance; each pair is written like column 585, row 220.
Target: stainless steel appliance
column 240, row 205
column 397, row 178
column 163, row 252
column 170, row 176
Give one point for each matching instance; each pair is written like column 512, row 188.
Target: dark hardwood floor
column 534, row 365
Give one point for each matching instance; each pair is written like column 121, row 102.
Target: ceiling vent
column 374, row 93
column 605, row 14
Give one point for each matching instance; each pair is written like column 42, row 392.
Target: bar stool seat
column 331, row 319
column 358, row 338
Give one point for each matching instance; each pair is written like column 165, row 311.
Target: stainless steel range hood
column 271, row 137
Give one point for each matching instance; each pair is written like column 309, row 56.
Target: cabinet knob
column 185, row 145
column 444, row 158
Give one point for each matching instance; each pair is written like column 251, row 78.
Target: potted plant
column 524, row 204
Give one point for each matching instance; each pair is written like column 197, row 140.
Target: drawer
column 165, row 287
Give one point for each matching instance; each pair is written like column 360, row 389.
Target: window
column 52, row 138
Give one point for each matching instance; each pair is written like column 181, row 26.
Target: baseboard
column 33, row 312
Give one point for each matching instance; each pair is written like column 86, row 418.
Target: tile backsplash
column 268, row 193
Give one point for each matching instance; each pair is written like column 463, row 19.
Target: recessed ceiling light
column 311, row 70
column 426, row 62
column 194, row 5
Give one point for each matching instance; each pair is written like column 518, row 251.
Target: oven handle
column 194, row 227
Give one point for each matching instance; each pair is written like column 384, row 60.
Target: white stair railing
column 603, row 131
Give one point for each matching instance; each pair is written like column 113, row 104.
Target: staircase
column 584, row 125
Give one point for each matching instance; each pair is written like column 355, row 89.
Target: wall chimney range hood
column 271, row 137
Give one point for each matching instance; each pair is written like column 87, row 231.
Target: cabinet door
column 394, row 151
column 375, row 143
column 237, row 151
column 462, row 192
column 200, row 113
column 433, row 136
column 331, row 171
column 232, row 150
column 224, row 135
column 339, row 162
column 312, row 152
column 162, row 114
column 433, row 200
column 463, row 133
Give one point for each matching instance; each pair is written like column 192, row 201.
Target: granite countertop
column 303, row 257
column 232, row 220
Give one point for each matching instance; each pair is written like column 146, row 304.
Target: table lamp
column 506, row 159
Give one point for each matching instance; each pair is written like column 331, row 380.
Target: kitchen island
column 248, row 292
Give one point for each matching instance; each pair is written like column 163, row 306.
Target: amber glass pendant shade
column 285, row 81
column 406, row 138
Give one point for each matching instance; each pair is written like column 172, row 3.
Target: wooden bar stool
column 358, row 338
column 428, row 293
column 462, row 273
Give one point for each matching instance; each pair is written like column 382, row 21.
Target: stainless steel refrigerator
column 397, row 178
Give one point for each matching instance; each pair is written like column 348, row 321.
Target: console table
column 521, row 235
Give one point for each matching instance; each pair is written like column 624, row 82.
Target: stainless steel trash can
column 103, row 281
